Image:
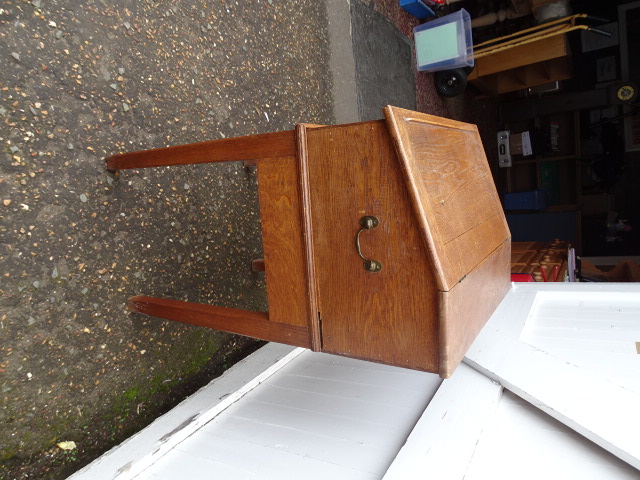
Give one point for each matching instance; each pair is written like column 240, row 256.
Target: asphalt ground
column 81, row 80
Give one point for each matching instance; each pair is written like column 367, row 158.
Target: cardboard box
column 520, row 144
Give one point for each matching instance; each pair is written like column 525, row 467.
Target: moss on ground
column 154, row 389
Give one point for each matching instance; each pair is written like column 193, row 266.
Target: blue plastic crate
column 531, row 200
column 417, row 8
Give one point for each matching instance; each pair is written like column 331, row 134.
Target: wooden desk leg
column 232, row 320
column 251, row 147
column 275, row 154
column 258, row 265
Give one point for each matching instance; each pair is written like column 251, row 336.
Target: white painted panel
column 601, row 409
column 358, row 432
column 183, row 467
column 381, row 393
column 471, row 430
column 333, row 404
column 322, row 413
column 523, row 442
column 443, row 441
column 320, row 416
column 211, row 457
column 352, row 454
column 141, row 450
column 359, row 372
column 596, row 331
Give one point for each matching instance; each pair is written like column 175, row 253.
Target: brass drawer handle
column 367, row 223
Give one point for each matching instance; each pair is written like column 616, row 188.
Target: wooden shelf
column 529, row 173
column 536, row 160
column 528, row 65
column 558, row 173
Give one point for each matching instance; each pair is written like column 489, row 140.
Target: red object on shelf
column 522, row 277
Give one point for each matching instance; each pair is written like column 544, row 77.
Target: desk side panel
column 283, row 241
column 468, row 306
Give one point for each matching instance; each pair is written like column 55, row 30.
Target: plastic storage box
column 444, row 43
column 417, row 8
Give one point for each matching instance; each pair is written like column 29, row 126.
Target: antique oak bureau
column 383, row 240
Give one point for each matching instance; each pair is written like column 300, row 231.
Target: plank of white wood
column 320, row 416
column 360, row 429
column 603, row 410
column 523, row 442
column 230, row 458
column 601, row 324
column 367, row 454
column 189, row 469
column 357, row 372
column 390, row 394
column 143, row 449
column 443, row 440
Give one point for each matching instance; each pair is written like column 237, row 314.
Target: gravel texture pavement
column 83, row 80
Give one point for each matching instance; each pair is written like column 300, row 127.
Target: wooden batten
column 247, row 148
column 232, row 320
column 283, row 241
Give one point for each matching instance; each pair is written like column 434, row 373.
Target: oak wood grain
column 526, row 54
column 283, row 241
column 442, row 238
column 467, row 307
column 232, row 320
column 223, row 150
column 452, row 191
column 389, row 316
column 274, row 155
column 307, row 229
column 258, row 265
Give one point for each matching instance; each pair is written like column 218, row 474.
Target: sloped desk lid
column 451, row 189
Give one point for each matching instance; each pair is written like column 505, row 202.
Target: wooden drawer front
column 389, row 316
column 527, row 54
